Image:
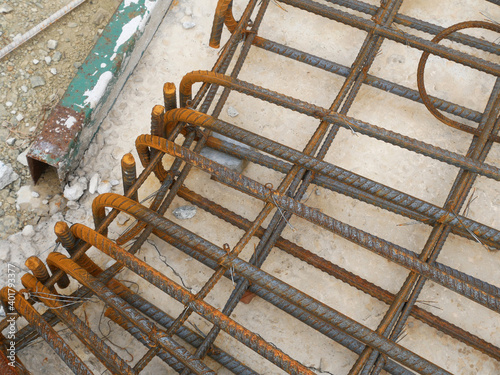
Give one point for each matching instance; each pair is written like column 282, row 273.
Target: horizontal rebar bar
column 253, row 274
column 395, row 35
column 335, row 173
column 338, row 119
column 343, row 275
column 420, row 25
column 213, row 315
column 483, row 293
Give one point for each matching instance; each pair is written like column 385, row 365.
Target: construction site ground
column 181, row 46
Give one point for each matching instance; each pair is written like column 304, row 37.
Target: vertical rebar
column 129, row 174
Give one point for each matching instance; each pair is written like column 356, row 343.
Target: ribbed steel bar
column 207, row 91
column 304, row 316
column 108, row 357
column 303, row 177
column 395, row 35
column 166, row 321
column 420, row 76
column 139, row 336
column 475, row 289
column 221, row 65
column 427, row 27
column 252, row 273
column 333, row 172
column 156, row 278
column 344, row 121
column 6, row 367
column 128, row 312
column 371, row 192
column 48, row 333
column 191, row 337
column 478, row 149
column 343, row 275
column 370, row 80
column 208, row 286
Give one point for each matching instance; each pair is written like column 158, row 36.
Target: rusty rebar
column 48, row 333
column 472, row 288
column 129, row 174
column 253, row 274
column 300, row 169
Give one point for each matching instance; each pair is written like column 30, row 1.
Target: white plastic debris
column 188, row 25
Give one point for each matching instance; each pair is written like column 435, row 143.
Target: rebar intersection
column 184, row 132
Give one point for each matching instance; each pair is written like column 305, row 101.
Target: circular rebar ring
column 420, row 75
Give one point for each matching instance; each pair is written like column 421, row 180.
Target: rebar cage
column 336, row 231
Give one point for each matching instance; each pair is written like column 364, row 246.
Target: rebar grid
column 183, row 133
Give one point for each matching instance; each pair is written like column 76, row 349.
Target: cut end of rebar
column 169, row 89
column 157, row 111
column 61, row 229
column 128, row 161
column 214, row 44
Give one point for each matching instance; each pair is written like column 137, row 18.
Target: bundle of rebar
column 181, row 129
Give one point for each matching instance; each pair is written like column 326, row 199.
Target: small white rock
column 188, row 25
column 28, row 231
column 84, row 183
column 232, row 112
column 24, row 88
column 52, row 44
column 24, row 198
column 5, row 8
column 7, row 175
column 53, row 71
column 104, row 187
column 10, row 141
column 73, row 193
column 9, row 104
column 35, row 61
column 114, row 182
column 47, row 59
column 34, row 194
column 185, row 212
column 94, row 182
column 19, row 117
column 45, row 201
column 32, row 129
column 72, row 205
column 21, row 158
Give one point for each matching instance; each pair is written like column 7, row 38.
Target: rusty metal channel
column 173, row 150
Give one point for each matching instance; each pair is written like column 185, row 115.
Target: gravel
column 33, row 79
